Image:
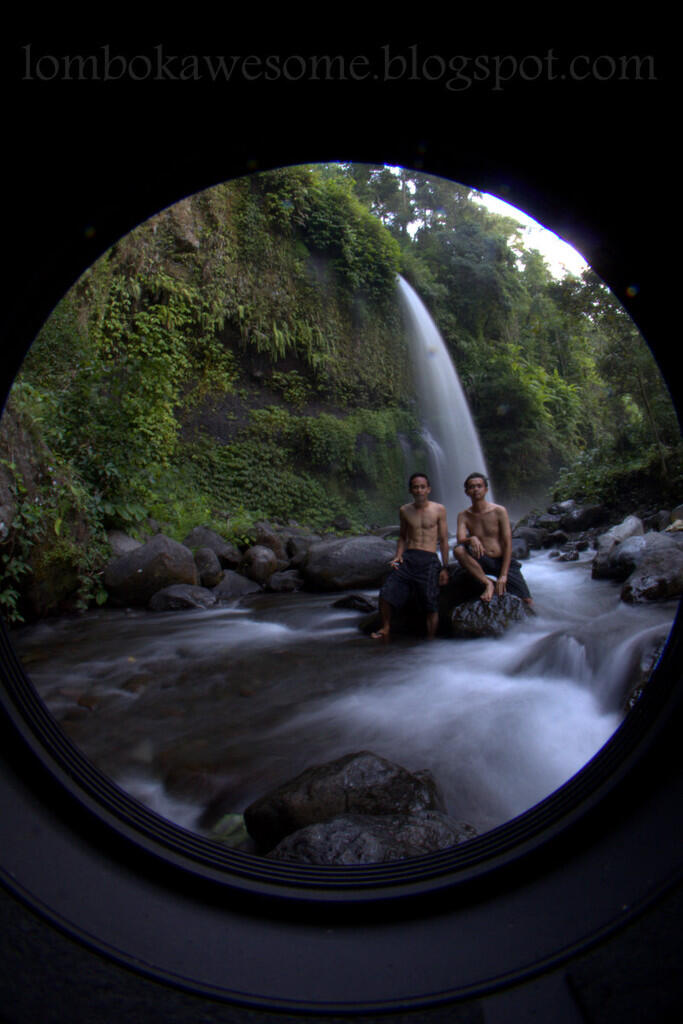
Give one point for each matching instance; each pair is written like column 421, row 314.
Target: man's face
column 420, row 489
column 476, row 488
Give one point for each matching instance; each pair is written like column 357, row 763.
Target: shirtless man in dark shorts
column 416, row 566
column 484, row 543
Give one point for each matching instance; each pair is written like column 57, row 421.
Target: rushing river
column 209, row 709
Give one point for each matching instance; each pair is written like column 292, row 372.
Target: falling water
column 448, row 430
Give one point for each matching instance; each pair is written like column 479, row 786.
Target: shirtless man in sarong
column 416, row 567
column 484, row 543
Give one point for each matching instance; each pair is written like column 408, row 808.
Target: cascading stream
column 449, row 433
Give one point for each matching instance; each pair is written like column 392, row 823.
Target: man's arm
column 466, row 539
column 402, row 539
column 506, row 549
column 443, row 544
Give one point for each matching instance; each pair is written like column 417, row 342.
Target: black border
column 586, row 159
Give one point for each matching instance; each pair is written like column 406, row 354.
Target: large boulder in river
column 208, row 567
column 359, row 783
column 658, row 570
column 205, row 537
column 161, row 562
column 632, row 526
column 584, row 517
column 235, row 585
column 348, row 563
column 372, row 839
column 259, row 563
column 487, row 618
column 180, row 596
column 121, row 543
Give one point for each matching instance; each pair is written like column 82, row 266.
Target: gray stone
column 205, row 537
column 359, row 783
column 658, row 574
column 348, row 563
column 259, row 563
column 265, row 535
column 372, row 839
column 520, row 548
column 208, row 567
column 121, row 543
column 179, row 596
column 583, row 518
column 487, row 618
column 534, row 536
column 632, row 526
column 161, row 562
column 285, row 582
column 234, row 585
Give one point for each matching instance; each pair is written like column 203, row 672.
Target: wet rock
column 520, row 548
column 631, row 526
column 265, row 535
column 285, row 582
column 234, row 585
column 577, row 519
column 208, row 567
column 179, row 596
column 259, row 563
column 657, row 520
column 372, row 839
column 133, row 578
column 356, row 602
column 347, row 563
column 569, row 556
column 487, row 618
column 548, row 521
column 555, row 539
column 359, row 783
column 534, row 536
column 658, row 575
column 554, row 554
column 205, row 537
column 121, row 543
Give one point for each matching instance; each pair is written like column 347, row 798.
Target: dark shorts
column 516, row 583
column 417, row 574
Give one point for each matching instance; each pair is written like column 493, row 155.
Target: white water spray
column 448, row 430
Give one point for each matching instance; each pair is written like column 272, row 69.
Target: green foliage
column 150, row 382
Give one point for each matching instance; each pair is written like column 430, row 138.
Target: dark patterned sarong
column 417, row 574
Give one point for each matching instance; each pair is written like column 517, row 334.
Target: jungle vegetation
column 241, row 355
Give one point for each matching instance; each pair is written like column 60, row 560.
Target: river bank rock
column 133, row 578
column 179, row 596
column 372, row 839
column 234, row 585
column 286, row 581
column 359, row 783
column 259, row 563
column 208, row 567
column 658, row 572
column 347, row 563
column 605, row 544
column 121, row 543
column 204, row 537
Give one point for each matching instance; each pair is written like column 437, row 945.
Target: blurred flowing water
column 449, row 432
column 187, row 710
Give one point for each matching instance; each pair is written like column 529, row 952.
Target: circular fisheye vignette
column 427, row 871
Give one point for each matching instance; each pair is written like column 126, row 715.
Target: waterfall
column 448, row 431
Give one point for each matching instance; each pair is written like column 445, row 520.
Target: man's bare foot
column 381, row 634
column 488, row 591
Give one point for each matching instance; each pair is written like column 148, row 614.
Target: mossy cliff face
column 240, row 355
